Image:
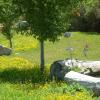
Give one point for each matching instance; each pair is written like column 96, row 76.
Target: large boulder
column 58, row 70
column 90, row 82
column 5, row 50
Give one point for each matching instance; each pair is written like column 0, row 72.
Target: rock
column 90, row 82
column 58, row 70
column 5, row 50
column 67, row 34
column 87, row 67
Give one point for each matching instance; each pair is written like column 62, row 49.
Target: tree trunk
column 10, row 43
column 42, row 56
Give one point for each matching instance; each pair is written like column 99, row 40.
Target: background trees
column 87, row 17
column 8, row 13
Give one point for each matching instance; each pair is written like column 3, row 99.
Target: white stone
column 85, row 80
column 84, row 65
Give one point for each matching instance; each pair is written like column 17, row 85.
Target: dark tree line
column 88, row 21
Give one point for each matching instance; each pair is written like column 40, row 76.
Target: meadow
column 20, row 78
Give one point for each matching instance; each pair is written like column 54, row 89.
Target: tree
column 7, row 15
column 46, row 18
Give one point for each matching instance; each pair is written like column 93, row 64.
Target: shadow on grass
column 91, row 33
column 14, row 75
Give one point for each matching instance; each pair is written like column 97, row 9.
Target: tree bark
column 10, row 42
column 42, row 62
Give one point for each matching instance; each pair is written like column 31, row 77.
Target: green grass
column 48, row 91
column 20, row 78
column 57, row 50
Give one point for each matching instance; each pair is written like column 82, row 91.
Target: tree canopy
column 47, row 18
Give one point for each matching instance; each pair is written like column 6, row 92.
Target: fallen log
column 89, row 82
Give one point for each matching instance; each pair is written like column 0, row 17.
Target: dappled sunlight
column 22, row 43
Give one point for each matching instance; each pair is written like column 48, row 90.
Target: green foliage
column 8, row 13
column 46, row 17
column 76, row 69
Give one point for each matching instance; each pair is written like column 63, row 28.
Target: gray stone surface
column 87, row 67
column 58, row 70
column 5, row 50
column 85, row 80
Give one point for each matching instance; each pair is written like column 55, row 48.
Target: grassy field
column 57, row 50
column 20, row 78
column 28, row 47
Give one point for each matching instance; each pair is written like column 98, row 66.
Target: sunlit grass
column 22, row 43
column 29, row 48
column 48, row 91
column 14, row 62
column 78, row 40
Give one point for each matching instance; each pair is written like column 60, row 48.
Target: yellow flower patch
column 21, row 43
column 14, row 62
column 77, row 96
